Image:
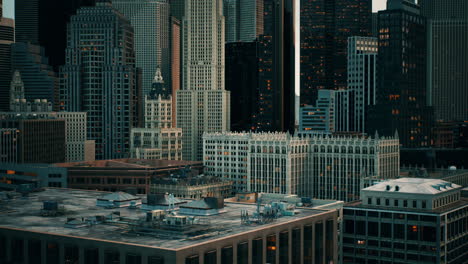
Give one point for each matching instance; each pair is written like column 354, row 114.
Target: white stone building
column 203, row 104
column 316, row 166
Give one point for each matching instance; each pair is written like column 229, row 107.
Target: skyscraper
column 244, row 20
column 44, row 23
column 40, row 80
column 100, row 77
column 362, row 70
column 401, row 90
column 242, row 74
column 7, row 37
column 151, row 23
column 203, row 105
column 325, row 28
column 448, row 56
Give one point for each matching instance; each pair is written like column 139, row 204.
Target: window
column 369, row 200
column 395, row 202
column 415, row 204
column 405, row 203
column 378, row 201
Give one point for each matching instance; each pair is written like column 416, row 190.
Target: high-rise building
column 151, row 23
column 242, row 77
column 408, row 220
column 176, row 59
column 244, row 20
column 447, row 53
column 7, row 37
column 40, row 81
column 159, row 139
column 8, row 145
column 203, row 105
column 39, row 140
column 178, row 9
column 325, row 28
column 18, row 103
column 279, row 88
column 100, row 77
column 321, row 117
column 36, row 24
column 317, row 166
column 362, row 70
column 401, row 88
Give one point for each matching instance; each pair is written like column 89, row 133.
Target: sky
column 8, row 7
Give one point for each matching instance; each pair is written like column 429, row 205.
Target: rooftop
column 128, row 164
column 25, row 213
column 414, row 186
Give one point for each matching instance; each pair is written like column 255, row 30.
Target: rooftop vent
column 397, row 188
column 388, row 188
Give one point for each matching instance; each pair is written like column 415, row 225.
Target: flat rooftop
column 128, row 164
column 24, row 213
column 463, row 202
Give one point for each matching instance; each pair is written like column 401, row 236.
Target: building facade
column 321, row 117
column 325, row 28
column 39, row 140
column 402, row 76
column 244, row 20
column 108, row 88
column 316, row 166
column 362, row 82
column 8, row 145
column 151, row 24
column 409, row 220
column 203, row 105
column 39, row 78
column 18, row 102
column 37, row 25
column 447, row 37
column 7, row 37
column 27, row 177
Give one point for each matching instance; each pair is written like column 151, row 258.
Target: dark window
column 415, row 204
column 91, row 256
column 34, row 251
column 378, row 201
column 373, row 214
column 257, row 250
column 17, row 253
column 349, row 226
column 111, row 257
column 398, row 231
column 360, row 228
column 194, row 259
column 283, row 247
column 318, row 242
column 428, row 233
column 308, row 244
column 413, row 217
column 386, row 230
column 296, row 248
column 155, row 260
column 210, row 257
column 373, row 228
column 243, row 253
column 227, row 255
column 52, row 253
column 413, row 231
column 387, row 202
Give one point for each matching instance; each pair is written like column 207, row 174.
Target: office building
column 242, row 79
column 321, row 117
column 8, row 145
column 18, row 102
column 316, row 166
column 362, row 83
column 244, row 20
column 401, row 89
column 132, row 175
column 7, row 37
column 35, row 24
column 151, row 24
column 77, row 145
column 108, row 88
column 203, row 105
column 325, row 28
column 447, row 39
column 40, row 81
column 300, row 235
column 177, row 9
column 408, row 220
column 39, row 140
column 176, row 59
column 158, row 139
column 29, row 177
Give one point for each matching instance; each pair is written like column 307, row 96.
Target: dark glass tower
column 325, row 28
column 100, row 77
column 44, row 23
column 242, row 80
column 401, row 82
column 7, row 37
column 40, row 81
